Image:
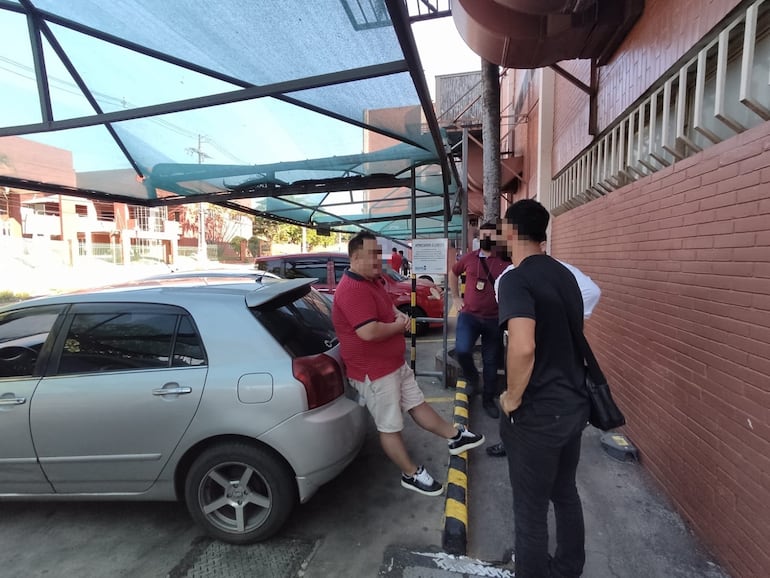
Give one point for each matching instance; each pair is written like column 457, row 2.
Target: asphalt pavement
column 364, row 524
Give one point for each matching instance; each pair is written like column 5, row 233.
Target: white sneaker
column 422, row 482
column 465, row 440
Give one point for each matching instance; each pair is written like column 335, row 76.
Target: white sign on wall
column 429, row 256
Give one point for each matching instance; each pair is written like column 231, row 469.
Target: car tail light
column 322, row 377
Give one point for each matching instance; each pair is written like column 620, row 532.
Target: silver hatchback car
column 230, row 397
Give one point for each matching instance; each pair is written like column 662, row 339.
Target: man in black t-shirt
column 545, row 403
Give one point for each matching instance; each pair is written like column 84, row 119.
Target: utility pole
column 202, row 254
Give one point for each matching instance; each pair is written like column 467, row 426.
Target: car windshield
column 301, row 323
column 395, row 276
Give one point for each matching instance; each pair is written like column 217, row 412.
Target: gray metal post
column 413, row 296
column 464, row 201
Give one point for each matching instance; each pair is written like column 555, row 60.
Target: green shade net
column 305, row 111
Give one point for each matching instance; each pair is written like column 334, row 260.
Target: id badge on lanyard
column 480, row 282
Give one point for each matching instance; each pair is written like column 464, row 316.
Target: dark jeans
column 543, row 454
column 469, row 328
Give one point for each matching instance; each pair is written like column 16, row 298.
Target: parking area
column 343, row 530
column 363, row 523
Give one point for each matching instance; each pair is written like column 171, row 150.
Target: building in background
column 75, row 228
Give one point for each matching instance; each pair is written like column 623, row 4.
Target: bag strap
column 486, row 269
column 594, row 371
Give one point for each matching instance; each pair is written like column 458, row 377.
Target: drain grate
column 277, row 558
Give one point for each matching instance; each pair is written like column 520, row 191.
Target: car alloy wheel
column 240, row 494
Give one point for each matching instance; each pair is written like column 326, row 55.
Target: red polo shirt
column 480, row 302
column 395, row 261
column 358, row 301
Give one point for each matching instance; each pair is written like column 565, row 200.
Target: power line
column 27, row 72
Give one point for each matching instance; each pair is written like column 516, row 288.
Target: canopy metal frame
column 39, row 23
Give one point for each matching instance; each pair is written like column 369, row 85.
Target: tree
column 315, row 240
column 187, row 216
column 253, row 245
column 221, row 223
column 235, row 243
column 490, row 129
column 264, row 228
column 284, row 233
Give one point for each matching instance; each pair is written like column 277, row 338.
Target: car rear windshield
column 393, row 275
column 301, row 321
column 310, row 268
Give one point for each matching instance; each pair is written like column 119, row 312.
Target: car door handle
column 12, row 400
column 172, row 389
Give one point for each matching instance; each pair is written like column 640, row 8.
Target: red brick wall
column 525, row 133
column 683, row 333
column 529, row 186
column 570, row 115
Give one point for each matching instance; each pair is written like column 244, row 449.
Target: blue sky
column 441, row 49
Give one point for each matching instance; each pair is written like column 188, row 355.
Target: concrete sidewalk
column 632, row 530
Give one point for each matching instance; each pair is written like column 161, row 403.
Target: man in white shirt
column 591, row 294
column 588, row 289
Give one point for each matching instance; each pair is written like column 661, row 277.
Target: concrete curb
column 455, row 538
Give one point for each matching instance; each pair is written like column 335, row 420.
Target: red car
column 329, row 267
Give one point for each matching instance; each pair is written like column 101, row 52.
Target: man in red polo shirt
column 395, row 260
column 477, row 316
column 371, row 333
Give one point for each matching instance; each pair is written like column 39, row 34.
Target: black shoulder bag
column 605, row 414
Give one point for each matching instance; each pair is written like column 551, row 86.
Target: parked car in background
column 228, row 396
column 328, row 268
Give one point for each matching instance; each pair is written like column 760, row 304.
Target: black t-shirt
column 542, row 289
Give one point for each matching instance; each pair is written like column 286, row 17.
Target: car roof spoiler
column 269, row 291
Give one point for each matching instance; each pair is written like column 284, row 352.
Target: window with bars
column 149, row 218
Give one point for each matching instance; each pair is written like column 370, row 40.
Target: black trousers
column 543, row 455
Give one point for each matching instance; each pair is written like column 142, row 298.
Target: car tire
column 426, row 277
column 422, row 326
column 239, row 493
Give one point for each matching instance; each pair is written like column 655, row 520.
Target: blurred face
column 486, row 239
column 366, row 261
column 497, row 238
column 507, row 238
column 505, row 234
column 517, row 247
